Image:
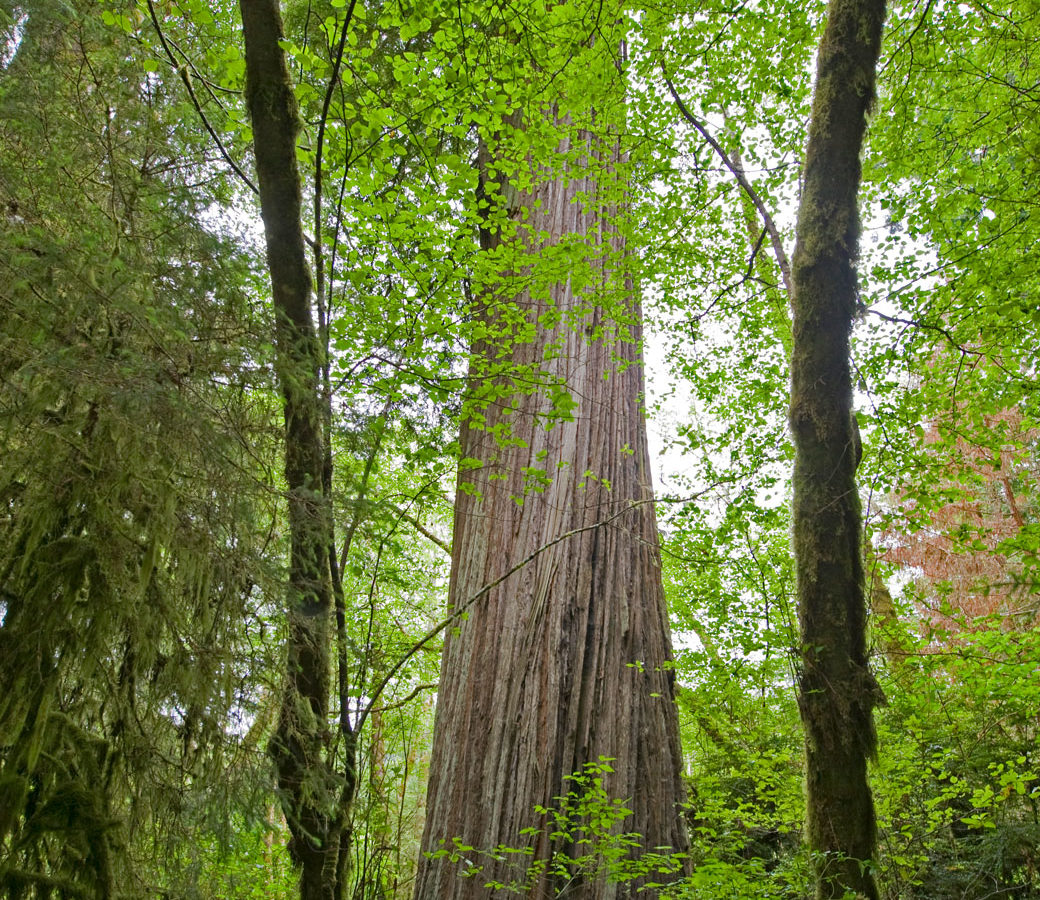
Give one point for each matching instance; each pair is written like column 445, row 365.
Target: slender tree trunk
column 309, row 792
column 566, row 660
column 837, row 691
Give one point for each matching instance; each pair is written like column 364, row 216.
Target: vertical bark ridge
column 567, row 660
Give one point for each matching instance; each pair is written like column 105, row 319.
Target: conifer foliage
column 321, row 361
column 134, row 523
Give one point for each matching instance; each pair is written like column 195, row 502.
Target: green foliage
column 136, row 519
column 951, row 269
column 588, row 823
column 957, row 774
column 728, row 578
column 140, row 531
column 251, row 862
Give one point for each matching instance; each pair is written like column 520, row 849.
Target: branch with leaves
column 738, row 172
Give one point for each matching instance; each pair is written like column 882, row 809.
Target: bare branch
column 418, row 526
column 418, row 689
column 458, row 612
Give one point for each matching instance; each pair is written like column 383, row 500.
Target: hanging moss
column 130, row 557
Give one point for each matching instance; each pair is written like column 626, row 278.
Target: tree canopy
column 238, row 528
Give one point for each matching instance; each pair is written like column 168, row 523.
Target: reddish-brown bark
column 567, row 660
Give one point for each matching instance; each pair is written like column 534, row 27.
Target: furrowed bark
column 567, row 660
column 837, row 691
column 308, row 787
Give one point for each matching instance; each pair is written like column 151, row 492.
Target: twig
column 738, row 173
column 927, row 326
column 418, row 689
column 909, row 37
column 182, row 70
column 458, row 611
column 316, row 246
column 418, row 526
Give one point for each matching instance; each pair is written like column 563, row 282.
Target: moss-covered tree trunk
column 837, row 692
column 309, row 790
column 566, row 660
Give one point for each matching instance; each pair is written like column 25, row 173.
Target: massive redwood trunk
column 837, row 692
column 566, row 660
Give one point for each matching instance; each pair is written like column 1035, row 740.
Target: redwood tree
column 837, row 691
column 560, row 658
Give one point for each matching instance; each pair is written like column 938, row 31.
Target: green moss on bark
column 837, row 691
column 310, row 788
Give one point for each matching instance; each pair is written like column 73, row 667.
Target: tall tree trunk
column 308, row 786
column 566, row 660
column 837, row 691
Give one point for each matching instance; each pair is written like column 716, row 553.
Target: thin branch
column 211, row 88
column 909, row 37
column 754, row 255
column 316, row 246
column 341, row 607
column 320, row 142
column 418, row 689
column 418, row 526
column 927, row 326
column 359, row 500
column 738, row 173
column 182, row 70
column 459, row 611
